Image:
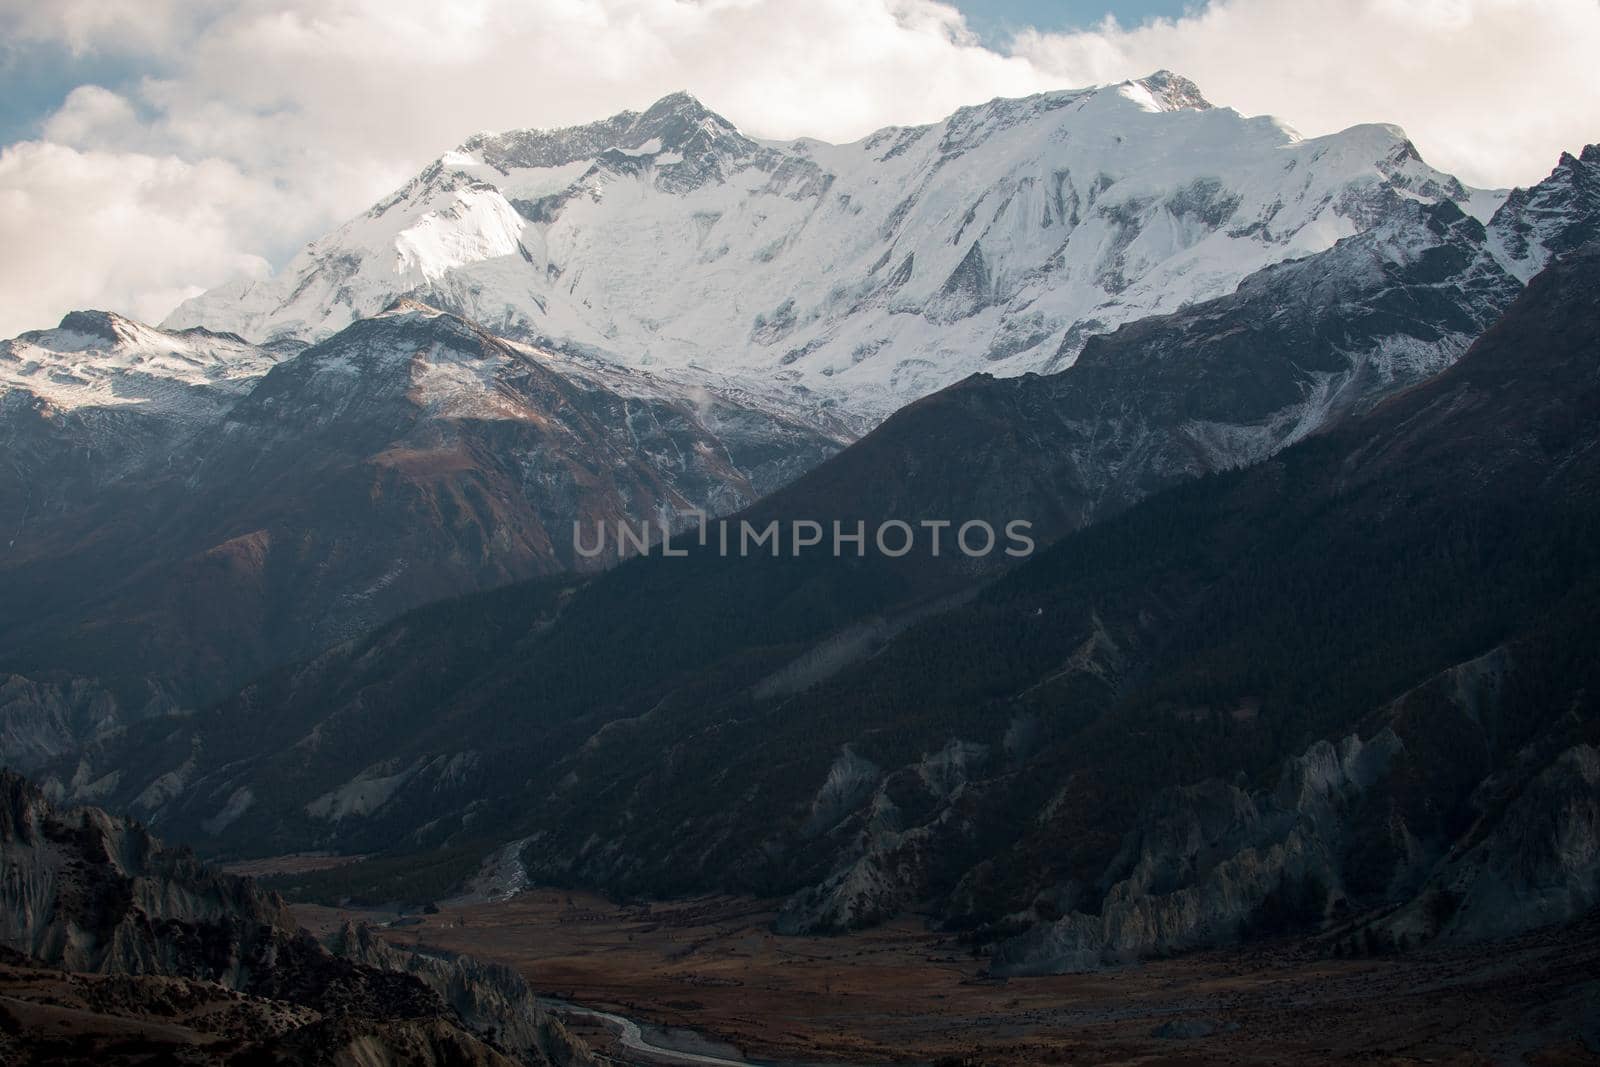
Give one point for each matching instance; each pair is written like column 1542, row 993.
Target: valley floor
column 903, row 993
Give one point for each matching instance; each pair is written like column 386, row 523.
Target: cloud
column 292, row 115
column 1490, row 90
column 92, row 115
column 129, row 232
column 103, row 26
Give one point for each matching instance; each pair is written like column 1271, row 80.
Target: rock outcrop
column 91, row 894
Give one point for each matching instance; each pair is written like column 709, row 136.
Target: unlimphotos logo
column 973, row 538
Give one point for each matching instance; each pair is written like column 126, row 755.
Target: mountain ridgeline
column 859, row 276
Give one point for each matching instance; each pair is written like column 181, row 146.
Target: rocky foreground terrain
column 116, row 949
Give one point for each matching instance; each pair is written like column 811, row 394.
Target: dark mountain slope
column 994, row 759
column 1251, row 614
column 1420, row 584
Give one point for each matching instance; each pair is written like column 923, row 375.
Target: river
column 631, row 1034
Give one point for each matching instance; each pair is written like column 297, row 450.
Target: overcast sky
column 154, row 149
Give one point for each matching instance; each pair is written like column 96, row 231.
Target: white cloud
column 133, row 233
column 94, row 116
column 291, row 115
column 1490, row 90
column 86, row 26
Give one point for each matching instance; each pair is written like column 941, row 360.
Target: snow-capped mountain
column 1297, row 348
column 99, row 397
column 867, row 274
column 100, row 359
column 1550, row 218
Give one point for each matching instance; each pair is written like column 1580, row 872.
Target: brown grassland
column 903, row 993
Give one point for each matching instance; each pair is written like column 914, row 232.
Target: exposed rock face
column 1552, row 218
column 893, row 836
column 1344, row 830
column 41, row 721
column 1208, row 862
column 92, row 893
column 85, row 892
column 490, row 999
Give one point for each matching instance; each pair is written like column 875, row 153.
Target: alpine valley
column 1306, row 431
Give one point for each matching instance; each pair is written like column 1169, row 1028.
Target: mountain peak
column 680, row 102
column 1589, row 155
column 106, row 326
column 415, row 318
column 676, row 119
column 1172, row 92
column 404, row 304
